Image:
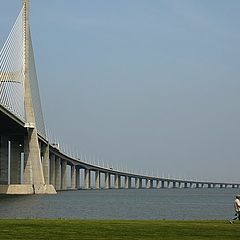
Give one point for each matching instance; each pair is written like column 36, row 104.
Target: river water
column 183, row 204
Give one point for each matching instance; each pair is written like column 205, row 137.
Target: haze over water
column 141, row 84
column 179, row 204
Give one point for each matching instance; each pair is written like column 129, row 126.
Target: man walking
column 236, row 208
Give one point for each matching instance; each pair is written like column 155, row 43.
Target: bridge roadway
column 59, row 161
column 28, row 163
column 55, row 162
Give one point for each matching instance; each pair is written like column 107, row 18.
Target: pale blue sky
column 150, row 84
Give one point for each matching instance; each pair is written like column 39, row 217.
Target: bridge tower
column 33, row 170
column 23, row 168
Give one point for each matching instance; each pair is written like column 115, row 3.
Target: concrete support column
column 179, row 184
column 155, row 186
column 63, row 164
column 3, row 160
column 87, row 179
column 209, row 185
column 162, row 184
column 28, row 171
column 97, row 179
column 45, row 163
column 15, row 160
column 58, row 174
column 73, row 177
column 185, row 185
column 140, row 182
column 137, row 182
column 174, row 185
column 197, row 185
column 117, row 181
column 158, row 184
column 149, row 183
column 107, row 180
column 127, row 182
column 77, row 178
column 52, row 169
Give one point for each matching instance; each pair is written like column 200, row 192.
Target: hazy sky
column 150, row 84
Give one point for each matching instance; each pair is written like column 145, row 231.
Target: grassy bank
column 77, row 229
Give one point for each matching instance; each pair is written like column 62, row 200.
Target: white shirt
column 237, row 205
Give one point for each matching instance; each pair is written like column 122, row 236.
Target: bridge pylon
column 21, row 160
column 33, row 170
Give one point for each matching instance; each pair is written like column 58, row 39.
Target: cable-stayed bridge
column 29, row 162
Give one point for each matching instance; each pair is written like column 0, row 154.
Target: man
column 237, row 209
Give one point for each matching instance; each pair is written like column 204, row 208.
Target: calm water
column 123, row 204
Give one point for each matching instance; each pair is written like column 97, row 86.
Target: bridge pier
column 140, row 182
column 77, row 178
column 136, row 182
column 107, row 180
column 4, row 163
column 127, row 182
column 87, row 178
column 45, row 162
column 149, row 183
column 97, row 179
column 58, row 174
column 10, row 161
column 73, row 177
column 52, row 169
column 15, row 161
column 116, row 181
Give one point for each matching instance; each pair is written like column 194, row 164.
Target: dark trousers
column 237, row 216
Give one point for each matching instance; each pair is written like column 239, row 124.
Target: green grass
column 117, row 229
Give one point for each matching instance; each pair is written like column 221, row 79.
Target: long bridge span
column 29, row 162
